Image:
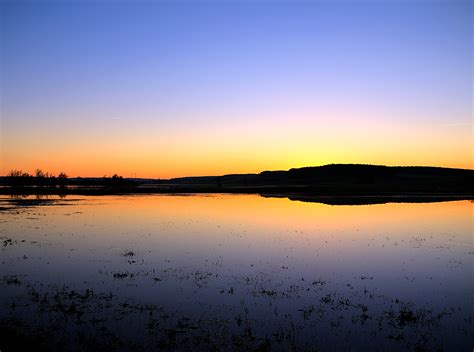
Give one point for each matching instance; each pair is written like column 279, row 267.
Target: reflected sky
column 190, row 251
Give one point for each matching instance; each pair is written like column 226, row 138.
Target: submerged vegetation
column 95, row 320
column 251, row 287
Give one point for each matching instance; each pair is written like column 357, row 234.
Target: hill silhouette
column 346, row 178
column 306, row 184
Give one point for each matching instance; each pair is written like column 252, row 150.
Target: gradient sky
column 164, row 89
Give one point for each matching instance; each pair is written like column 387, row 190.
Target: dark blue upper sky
column 175, row 64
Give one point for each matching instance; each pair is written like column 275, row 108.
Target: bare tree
column 39, row 173
column 18, row 173
column 15, row 173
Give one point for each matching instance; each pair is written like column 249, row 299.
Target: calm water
column 238, row 272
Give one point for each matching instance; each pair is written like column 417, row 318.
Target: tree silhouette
column 39, row 173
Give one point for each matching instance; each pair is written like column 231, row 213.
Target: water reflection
column 240, row 270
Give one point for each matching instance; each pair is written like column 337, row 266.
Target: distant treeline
column 332, row 180
column 41, row 178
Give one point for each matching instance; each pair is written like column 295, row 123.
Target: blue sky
column 174, row 66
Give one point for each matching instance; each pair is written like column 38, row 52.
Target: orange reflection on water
column 278, row 214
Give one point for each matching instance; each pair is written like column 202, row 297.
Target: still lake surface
column 237, row 272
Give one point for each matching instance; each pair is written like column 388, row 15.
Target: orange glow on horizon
column 237, row 149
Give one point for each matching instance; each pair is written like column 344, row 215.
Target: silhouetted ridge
column 358, row 174
column 328, row 180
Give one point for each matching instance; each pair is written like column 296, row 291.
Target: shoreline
column 302, row 194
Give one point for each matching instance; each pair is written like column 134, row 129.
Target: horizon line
column 248, row 173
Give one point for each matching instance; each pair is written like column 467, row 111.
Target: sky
column 178, row 88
